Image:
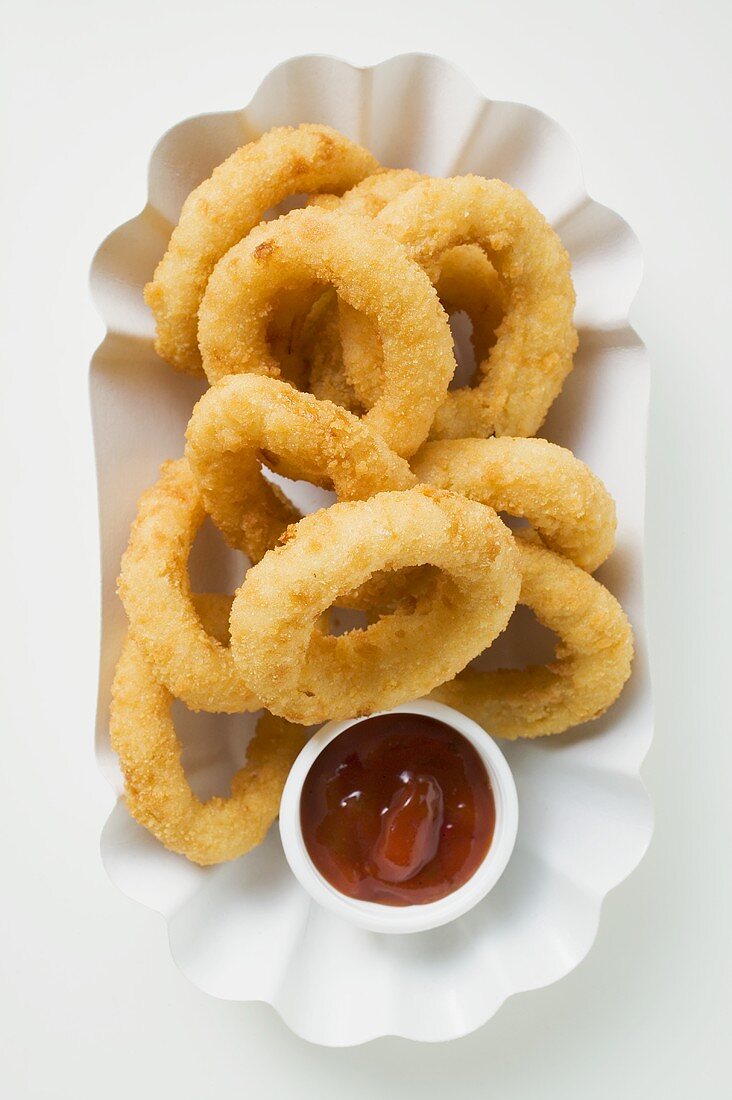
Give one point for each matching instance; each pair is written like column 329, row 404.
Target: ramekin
column 408, row 918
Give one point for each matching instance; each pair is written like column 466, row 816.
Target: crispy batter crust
column 157, row 792
column 348, row 354
column 593, row 657
column 224, row 208
column 536, row 339
column 193, row 664
column 372, row 273
column 369, row 197
column 309, row 677
column 464, row 278
column 243, row 417
column 558, row 494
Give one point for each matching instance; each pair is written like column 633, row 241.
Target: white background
column 92, row 1003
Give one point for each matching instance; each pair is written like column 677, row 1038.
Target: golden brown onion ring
column 558, row 494
column 544, row 356
column 536, row 339
column 308, row 677
column 593, row 658
column 243, row 417
column 157, row 792
column 369, row 271
column 315, row 343
column 155, row 589
column 225, row 207
column 566, row 504
column 465, row 281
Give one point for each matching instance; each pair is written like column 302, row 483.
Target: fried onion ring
column 465, row 281
column 157, row 793
column 314, row 329
column 224, row 208
column 308, row 677
column 536, row 339
column 243, row 417
column 522, row 363
column 568, row 507
column 558, row 494
column 369, row 271
column 593, row 656
column 156, row 592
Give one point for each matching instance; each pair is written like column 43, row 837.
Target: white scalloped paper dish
column 246, row 930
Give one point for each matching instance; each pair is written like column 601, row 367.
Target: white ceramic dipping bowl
column 408, row 918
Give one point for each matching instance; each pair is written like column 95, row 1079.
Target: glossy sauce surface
column 398, row 809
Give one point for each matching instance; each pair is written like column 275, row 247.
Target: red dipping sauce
column 398, row 809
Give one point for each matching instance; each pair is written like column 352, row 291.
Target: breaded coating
column 157, row 793
column 465, row 280
column 246, row 417
column 306, row 676
column 559, row 495
column 536, row 339
column 593, row 656
column 224, row 208
column 370, row 272
column 192, row 663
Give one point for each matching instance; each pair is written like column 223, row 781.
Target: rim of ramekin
column 376, row 917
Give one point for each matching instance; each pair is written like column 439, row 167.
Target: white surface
column 92, row 1002
column 245, row 932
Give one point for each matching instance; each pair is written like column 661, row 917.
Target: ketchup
column 398, row 809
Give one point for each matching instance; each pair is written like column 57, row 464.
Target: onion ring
column 568, row 507
column 320, row 338
column 371, row 272
column 563, row 500
column 593, row 660
column 314, row 338
column 308, row 677
column 156, row 592
column 533, row 352
column 245, row 416
column 465, row 281
column 224, row 208
column 157, row 793
column 536, row 339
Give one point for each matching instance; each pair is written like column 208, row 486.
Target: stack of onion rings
column 465, row 281
column 566, row 504
column 349, row 297
column 372, row 273
column 536, row 339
